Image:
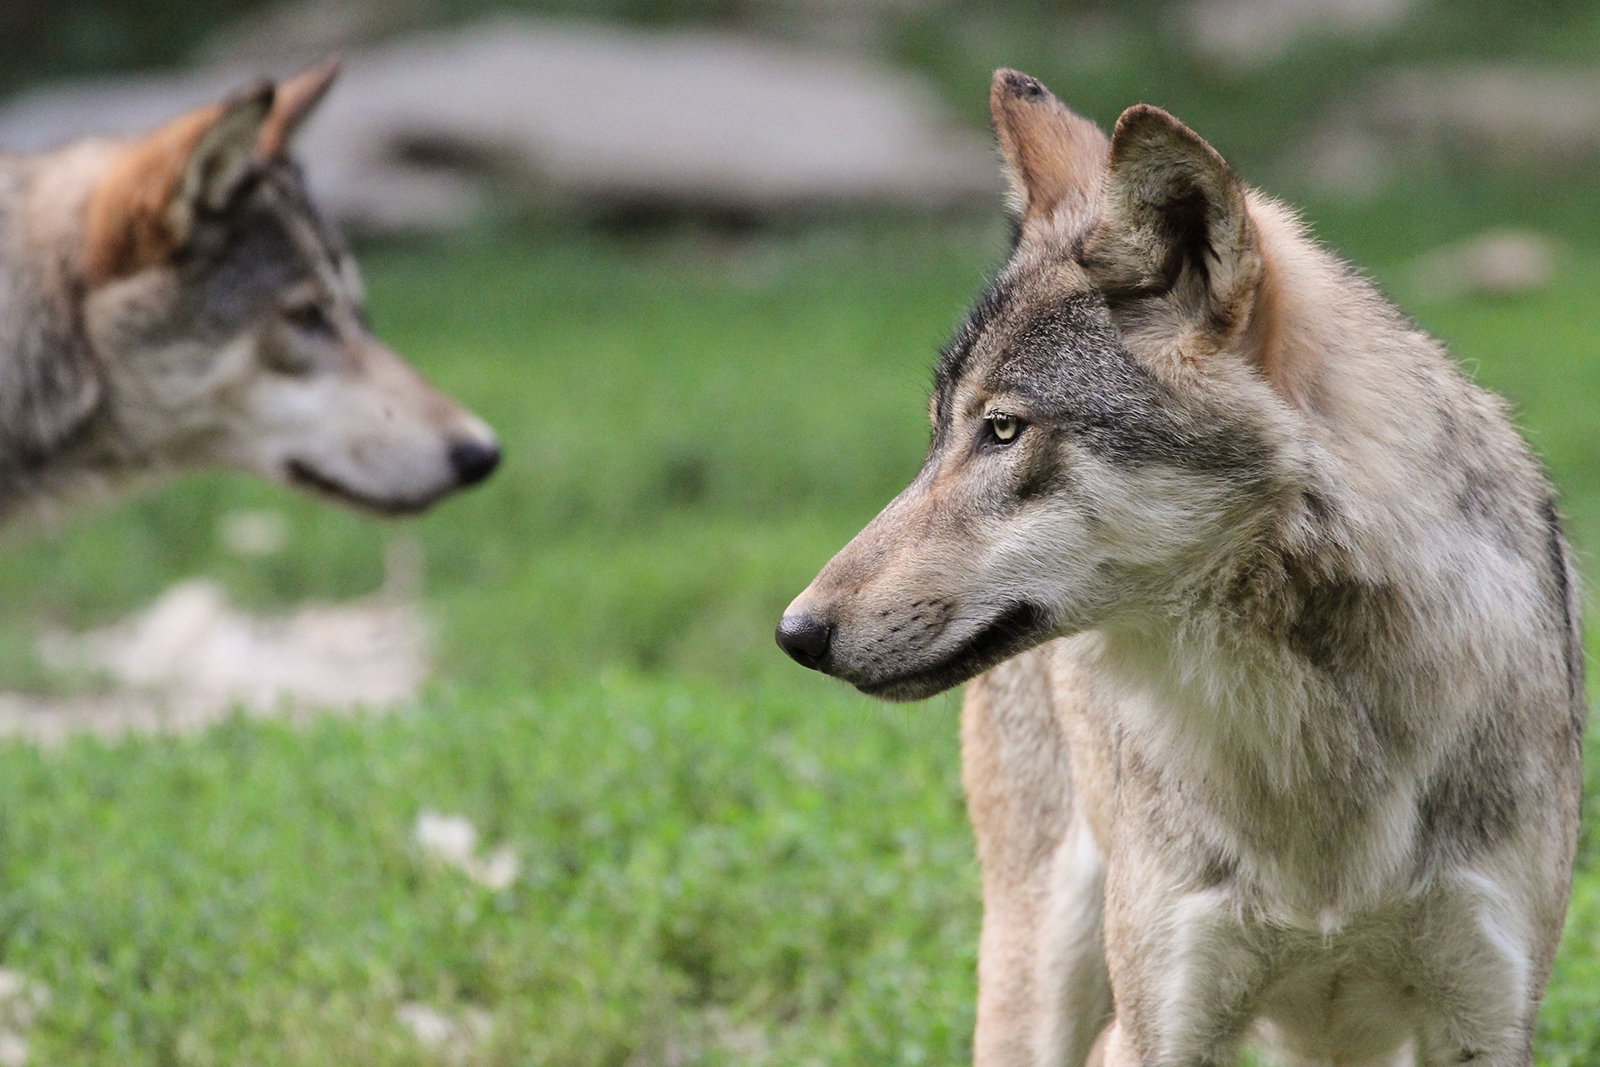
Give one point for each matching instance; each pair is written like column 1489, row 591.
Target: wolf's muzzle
column 805, row 639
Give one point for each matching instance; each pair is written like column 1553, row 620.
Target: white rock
column 430, row 1026
column 1518, row 116
column 1501, row 113
column 498, row 870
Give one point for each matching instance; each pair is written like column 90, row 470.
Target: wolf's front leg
column 1043, row 990
column 1188, row 973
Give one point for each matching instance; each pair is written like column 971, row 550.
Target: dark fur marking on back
column 1472, row 804
column 1337, row 623
column 1333, row 620
column 1216, row 868
column 1572, row 646
column 1478, row 501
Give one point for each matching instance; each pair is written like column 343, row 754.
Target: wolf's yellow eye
column 1004, row 427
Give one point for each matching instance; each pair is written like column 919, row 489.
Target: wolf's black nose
column 804, row 638
column 473, row 460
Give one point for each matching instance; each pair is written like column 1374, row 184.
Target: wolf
column 175, row 301
column 1279, row 735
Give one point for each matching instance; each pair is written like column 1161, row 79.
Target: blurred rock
column 1496, row 263
column 1344, row 162
column 253, row 532
column 1498, row 114
column 453, row 840
column 852, row 24
column 453, row 1036
column 191, row 643
column 1519, row 117
column 190, row 659
column 304, row 31
column 21, row 1000
column 423, row 133
column 1250, row 32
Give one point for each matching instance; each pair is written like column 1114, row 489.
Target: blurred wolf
column 1295, row 752
column 175, row 301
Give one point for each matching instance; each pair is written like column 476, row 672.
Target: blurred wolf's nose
column 474, row 460
column 804, row 638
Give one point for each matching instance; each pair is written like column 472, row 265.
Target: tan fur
column 141, row 211
column 1054, row 159
column 127, row 227
column 1037, row 779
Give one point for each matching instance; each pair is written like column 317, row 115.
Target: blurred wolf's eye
column 1004, row 427
column 309, row 318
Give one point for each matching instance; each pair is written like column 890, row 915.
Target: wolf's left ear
column 144, row 207
column 1174, row 250
column 295, row 101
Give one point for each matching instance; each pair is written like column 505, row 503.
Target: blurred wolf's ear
column 1055, row 160
column 295, row 101
column 1175, row 249
column 144, row 207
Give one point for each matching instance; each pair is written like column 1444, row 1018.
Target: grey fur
column 48, row 384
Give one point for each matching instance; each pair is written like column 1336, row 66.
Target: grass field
column 725, row 859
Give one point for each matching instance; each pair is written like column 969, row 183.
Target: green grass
column 726, row 859
column 697, row 864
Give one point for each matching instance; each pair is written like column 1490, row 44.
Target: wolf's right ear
column 145, row 205
column 1055, row 160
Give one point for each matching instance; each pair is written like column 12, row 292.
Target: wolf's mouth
column 305, row 476
column 1016, row 629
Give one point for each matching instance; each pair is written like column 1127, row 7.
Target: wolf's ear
column 295, row 101
column 1174, row 249
column 1055, row 160
column 144, row 207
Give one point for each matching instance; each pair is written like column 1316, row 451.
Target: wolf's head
column 225, row 326
column 1108, row 424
